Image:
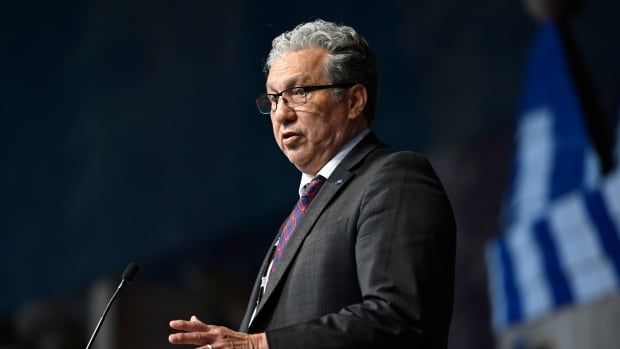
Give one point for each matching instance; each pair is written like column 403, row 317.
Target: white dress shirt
column 331, row 165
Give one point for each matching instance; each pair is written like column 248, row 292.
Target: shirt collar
column 331, row 165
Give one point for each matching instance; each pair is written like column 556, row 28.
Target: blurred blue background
column 129, row 132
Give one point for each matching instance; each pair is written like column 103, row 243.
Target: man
column 366, row 259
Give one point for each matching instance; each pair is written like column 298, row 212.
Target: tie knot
column 310, row 189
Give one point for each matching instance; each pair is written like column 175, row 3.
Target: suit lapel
column 328, row 191
column 245, row 324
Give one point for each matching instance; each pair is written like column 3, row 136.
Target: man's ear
column 357, row 97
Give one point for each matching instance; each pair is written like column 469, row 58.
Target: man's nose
column 283, row 112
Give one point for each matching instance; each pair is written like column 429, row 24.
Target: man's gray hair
column 350, row 58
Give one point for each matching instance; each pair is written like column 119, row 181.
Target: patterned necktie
column 309, row 192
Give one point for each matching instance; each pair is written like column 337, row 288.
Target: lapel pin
column 339, row 181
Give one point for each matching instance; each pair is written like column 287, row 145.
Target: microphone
column 128, row 274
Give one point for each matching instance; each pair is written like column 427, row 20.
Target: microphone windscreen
column 130, row 272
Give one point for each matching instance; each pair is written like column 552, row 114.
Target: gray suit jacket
column 371, row 265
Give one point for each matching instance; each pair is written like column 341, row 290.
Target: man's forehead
column 296, row 67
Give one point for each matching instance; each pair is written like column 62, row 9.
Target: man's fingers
column 202, row 335
column 189, row 326
column 193, row 338
column 195, row 332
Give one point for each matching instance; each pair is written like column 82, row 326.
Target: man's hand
column 204, row 336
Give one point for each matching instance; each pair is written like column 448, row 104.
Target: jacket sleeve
column 404, row 253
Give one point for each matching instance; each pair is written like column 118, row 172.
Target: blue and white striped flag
column 561, row 245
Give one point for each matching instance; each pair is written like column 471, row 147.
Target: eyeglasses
column 293, row 97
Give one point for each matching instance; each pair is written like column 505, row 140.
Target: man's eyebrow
column 290, row 82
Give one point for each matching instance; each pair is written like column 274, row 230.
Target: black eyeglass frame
column 306, row 89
